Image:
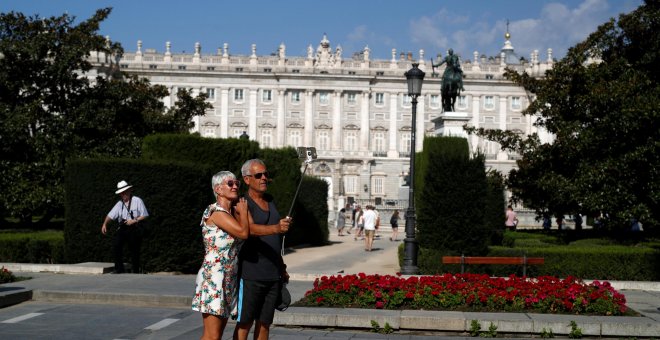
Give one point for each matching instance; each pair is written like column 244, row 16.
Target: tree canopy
column 53, row 109
column 601, row 102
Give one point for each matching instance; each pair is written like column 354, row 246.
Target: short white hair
column 218, row 178
column 245, row 169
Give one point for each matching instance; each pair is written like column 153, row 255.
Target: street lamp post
column 415, row 78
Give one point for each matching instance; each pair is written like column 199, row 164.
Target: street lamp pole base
column 409, row 257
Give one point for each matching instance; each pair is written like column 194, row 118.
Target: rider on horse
column 452, row 80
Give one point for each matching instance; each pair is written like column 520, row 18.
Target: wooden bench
column 463, row 260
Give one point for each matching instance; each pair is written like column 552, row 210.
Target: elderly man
column 129, row 211
column 260, row 261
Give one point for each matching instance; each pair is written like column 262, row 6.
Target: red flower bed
column 474, row 292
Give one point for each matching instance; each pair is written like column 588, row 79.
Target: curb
column 411, row 320
column 16, row 296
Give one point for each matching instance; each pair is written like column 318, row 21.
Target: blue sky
column 409, row 25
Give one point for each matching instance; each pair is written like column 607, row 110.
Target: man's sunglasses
column 260, row 174
column 231, row 183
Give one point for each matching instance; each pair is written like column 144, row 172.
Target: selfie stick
column 307, row 162
column 310, row 159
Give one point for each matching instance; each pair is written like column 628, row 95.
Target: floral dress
column 216, row 284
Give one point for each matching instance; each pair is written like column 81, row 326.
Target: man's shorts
column 369, row 232
column 257, row 301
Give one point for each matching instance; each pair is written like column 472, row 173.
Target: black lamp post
column 415, row 78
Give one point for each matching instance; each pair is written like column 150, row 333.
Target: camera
column 307, row 153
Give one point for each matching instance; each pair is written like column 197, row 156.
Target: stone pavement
column 85, row 283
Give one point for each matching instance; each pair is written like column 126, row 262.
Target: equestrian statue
column 452, row 80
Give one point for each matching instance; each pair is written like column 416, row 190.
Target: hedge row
column 32, row 247
column 174, row 180
column 586, row 261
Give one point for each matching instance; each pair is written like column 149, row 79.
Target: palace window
column 406, row 99
column 208, row 132
column 350, row 185
column 238, row 94
column 434, row 101
column 515, row 103
column 324, row 98
column 295, row 97
column 266, row 138
column 295, row 137
column 377, row 185
column 182, row 67
column 323, row 140
column 379, row 141
column 267, row 96
column 350, row 140
column 351, row 98
column 404, row 146
column 380, row 98
column 210, row 68
column 462, row 102
column 210, row 93
column 489, row 102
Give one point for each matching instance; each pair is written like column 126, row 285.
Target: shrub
column 6, row 276
column 32, row 246
column 452, row 200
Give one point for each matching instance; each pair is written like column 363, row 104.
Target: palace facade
column 355, row 110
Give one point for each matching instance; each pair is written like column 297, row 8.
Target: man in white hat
column 129, row 211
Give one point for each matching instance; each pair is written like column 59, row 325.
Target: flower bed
column 6, row 276
column 467, row 292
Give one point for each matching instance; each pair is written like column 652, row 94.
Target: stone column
column 252, row 114
column 364, row 122
column 308, row 138
column 502, row 155
column 420, row 131
column 476, row 121
column 392, row 151
column 281, row 125
column 224, row 113
column 336, row 121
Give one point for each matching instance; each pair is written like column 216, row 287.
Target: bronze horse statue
column 452, row 81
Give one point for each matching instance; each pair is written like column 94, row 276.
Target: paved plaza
column 80, row 302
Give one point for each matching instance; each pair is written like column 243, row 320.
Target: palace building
column 355, row 110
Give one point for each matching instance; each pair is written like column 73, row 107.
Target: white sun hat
column 122, row 186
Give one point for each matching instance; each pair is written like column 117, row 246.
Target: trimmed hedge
column 174, row 180
column 603, row 263
column 32, row 247
column 175, row 194
column 588, row 259
column 451, row 212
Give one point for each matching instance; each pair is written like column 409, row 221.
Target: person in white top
column 129, row 211
column 370, row 220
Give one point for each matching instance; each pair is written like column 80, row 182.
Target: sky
column 405, row 25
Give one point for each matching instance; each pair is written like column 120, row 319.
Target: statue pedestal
column 451, row 124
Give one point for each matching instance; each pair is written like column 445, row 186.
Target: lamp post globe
column 415, row 78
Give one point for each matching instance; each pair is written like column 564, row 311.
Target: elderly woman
column 224, row 227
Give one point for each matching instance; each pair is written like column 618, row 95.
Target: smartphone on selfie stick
column 308, row 155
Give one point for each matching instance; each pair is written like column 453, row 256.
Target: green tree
column 52, row 108
column 601, row 104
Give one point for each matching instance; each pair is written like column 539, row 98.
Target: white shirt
column 120, row 210
column 369, row 219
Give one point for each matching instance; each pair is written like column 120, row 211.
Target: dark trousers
column 132, row 236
